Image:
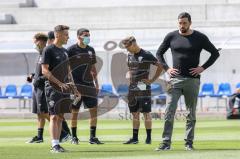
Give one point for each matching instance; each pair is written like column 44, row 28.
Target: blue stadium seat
column 26, row 91
column 156, row 89
column 1, row 95
column 106, row 90
column 122, row 90
column 238, row 85
column 207, row 90
column 224, row 89
column 0, row 91
column 11, row 91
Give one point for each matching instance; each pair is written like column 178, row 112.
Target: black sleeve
column 46, row 58
column 162, row 49
column 153, row 60
column 69, row 52
column 208, row 46
column 94, row 59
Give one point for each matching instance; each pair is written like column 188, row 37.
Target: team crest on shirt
column 90, row 53
column 140, row 58
column 51, row 103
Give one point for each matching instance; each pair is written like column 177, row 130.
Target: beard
column 184, row 30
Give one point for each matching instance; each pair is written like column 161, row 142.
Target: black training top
column 38, row 68
column 186, row 51
column 139, row 66
column 81, row 61
column 38, row 78
column 57, row 59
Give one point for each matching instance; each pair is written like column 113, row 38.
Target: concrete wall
column 119, row 3
column 6, row 19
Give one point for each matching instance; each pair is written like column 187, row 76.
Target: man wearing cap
column 82, row 59
column 51, row 37
column 139, row 96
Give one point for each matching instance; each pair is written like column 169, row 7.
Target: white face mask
column 86, row 40
column 37, row 48
column 34, row 46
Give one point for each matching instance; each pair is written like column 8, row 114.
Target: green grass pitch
column 215, row 139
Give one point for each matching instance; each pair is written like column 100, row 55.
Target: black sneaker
column 74, row 140
column 57, row 149
column 95, row 140
column 163, row 147
column 189, row 147
column 131, row 141
column 64, row 138
column 35, row 139
column 148, row 141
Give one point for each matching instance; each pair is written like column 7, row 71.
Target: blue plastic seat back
column 156, row 89
column 11, row 90
column 26, row 90
column 122, row 89
column 106, row 89
column 224, row 89
column 207, row 89
column 238, row 85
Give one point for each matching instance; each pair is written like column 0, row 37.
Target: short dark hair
column 81, row 30
column 41, row 36
column 185, row 15
column 60, row 28
column 51, row 35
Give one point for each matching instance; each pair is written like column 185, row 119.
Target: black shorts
column 58, row 102
column 139, row 103
column 88, row 102
column 89, row 96
column 39, row 104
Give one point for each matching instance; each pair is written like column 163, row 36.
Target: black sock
column 65, row 127
column 40, row 133
column 149, row 131
column 74, row 131
column 135, row 134
column 92, row 131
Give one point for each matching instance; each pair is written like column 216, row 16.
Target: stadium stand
column 112, row 20
column 16, row 3
column 6, row 19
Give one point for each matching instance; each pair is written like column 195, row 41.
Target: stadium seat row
column 106, row 90
column 224, row 89
column 11, row 92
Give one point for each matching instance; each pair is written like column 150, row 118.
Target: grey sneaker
column 74, row 141
column 57, row 149
column 95, row 140
column 189, row 147
column 163, row 147
column 131, row 141
column 35, row 139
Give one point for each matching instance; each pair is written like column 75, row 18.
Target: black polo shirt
column 57, row 59
column 81, row 61
column 139, row 66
